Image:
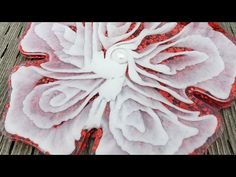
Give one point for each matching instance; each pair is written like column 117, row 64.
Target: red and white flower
column 95, row 66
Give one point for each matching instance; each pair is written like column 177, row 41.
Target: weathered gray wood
column 9, row 57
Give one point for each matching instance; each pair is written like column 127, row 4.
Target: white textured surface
column 72, row 61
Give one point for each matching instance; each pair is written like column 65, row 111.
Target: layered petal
column 141, row 127
column 55, row 140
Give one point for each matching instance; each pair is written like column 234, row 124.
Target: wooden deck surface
column 10, row 56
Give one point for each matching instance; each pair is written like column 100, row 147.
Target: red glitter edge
column 85, row 135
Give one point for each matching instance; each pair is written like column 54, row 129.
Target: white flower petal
column 109, row 41
column 107, row 144
column 59, row 140
column 130, row 139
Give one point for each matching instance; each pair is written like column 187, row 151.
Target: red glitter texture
column 203, row 101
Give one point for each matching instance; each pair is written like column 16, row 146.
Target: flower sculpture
column 143, row 84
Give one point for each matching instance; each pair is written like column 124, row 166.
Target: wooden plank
column 21, row 149
column 9, row 57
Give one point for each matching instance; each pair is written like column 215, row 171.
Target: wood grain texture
column 10, row 56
